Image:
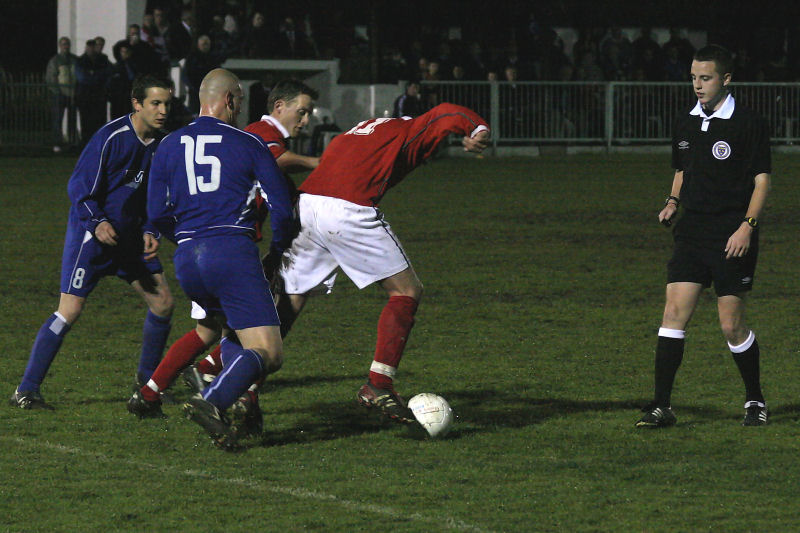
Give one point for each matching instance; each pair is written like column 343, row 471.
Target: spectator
column 413, row 54
column 143, row 58
column 445, row 56
column 393, row 66
column 259, row 41
column 475, row 64
column 408, row 104
column 616, row 55
column 120, row 82
column 430, row 93
column 615, row 65
column 158, row 35
column 92, row 74
column 458, row 73
column 172, row 41
column 588, row 69
column 685, row 48
column 100, row 43
column 292, row 43
column 60, row 77
column 181, row 36
column 148, row 31
column 588, row 41
column 434, row 73
column 422, row 68
column 551, row 56
column 650, row 64
column 641, row 46
column 199, row 62
column 563, row 109
column 513, row 59
column 674, row 68
column 591, row 97
column 513, row 104
column 224, row 44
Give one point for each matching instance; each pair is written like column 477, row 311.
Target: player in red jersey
column 342, row 227
column 290, row 103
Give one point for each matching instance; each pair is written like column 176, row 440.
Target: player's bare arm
column 476, row 144
column 292, row 162
column 105, row 233
column 739, row 243
column 671, row 204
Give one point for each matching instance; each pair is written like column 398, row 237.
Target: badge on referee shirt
column 721, row 150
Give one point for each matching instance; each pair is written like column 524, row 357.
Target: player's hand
column 151, row 245
column 739, row 243
column 105, row 233
column 666, row 214
column 476, row 144
column 271, row 262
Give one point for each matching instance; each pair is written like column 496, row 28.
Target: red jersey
column 273, row 133
column 362, row 164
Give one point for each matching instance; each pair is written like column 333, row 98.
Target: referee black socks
column 746, row 356
column 669, row 354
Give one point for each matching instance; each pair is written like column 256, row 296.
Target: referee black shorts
column 695, row 263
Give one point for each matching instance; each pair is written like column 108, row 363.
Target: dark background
column 28, row 28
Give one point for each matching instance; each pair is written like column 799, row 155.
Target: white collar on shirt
column 725, row 111
column 274, row 122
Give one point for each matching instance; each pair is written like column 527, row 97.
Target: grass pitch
column 544, row 290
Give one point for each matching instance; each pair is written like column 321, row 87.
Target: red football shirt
column 362, row 164
column 273, row 133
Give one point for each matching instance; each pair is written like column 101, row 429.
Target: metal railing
column 600, row 113
column 605, row 113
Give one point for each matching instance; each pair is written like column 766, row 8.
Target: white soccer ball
column 432, row 412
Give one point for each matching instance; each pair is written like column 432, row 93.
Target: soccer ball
column 432, row 412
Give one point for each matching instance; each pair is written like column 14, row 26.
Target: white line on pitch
column 446, row 521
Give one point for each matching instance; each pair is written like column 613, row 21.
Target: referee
column 721, row 156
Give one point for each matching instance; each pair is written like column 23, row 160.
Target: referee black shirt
column 719, row 155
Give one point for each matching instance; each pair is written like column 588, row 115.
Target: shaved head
column 216, row 83
column 221, row 95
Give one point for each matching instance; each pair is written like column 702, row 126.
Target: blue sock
column 154, row 339
column 229, row 349
column 234, row 380
column 44, row 350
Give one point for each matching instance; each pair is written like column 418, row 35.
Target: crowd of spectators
column 170, row 33
column 599, row 54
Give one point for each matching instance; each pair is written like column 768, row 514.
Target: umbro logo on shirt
column 683, row 145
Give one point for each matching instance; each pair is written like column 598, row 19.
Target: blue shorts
column 225, row 274
column 86, row 260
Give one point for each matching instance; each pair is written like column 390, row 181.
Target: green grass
column 544, row 282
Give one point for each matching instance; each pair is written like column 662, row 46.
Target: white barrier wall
column 81, row 20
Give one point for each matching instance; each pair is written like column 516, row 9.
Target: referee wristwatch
column 751, row 221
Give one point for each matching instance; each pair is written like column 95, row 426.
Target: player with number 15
column 200, row 185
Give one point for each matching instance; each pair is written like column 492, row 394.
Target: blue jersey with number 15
column 203, row 177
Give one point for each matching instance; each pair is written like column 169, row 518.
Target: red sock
column 394, row 326
column 214, row 366
column 179, row 356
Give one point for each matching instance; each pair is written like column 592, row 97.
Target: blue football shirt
column 110, row 178
column 203, row 178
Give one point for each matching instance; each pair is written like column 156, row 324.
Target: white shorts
column 198, row 313
column 337, row 233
